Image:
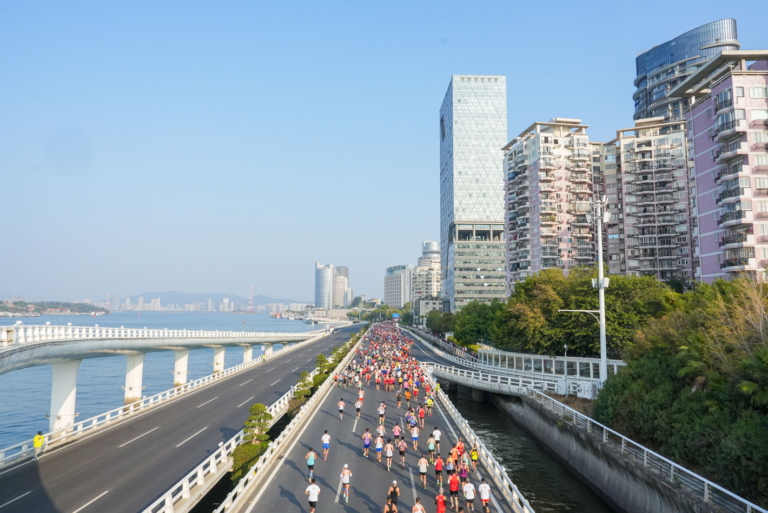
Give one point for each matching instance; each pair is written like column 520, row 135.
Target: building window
column 758, row 92
column 739, row 92
column 709, row 113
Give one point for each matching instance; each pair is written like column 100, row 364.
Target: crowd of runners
column 384, row 362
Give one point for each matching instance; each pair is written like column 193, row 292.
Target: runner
column 358, row 406
column 394, row 494
column 311, row 463
column 440, row 501
column 336, row 380
column 449, row 464
column 402, row 446
column 464, row 473
column 407, row 398
column 314, row 493
column 421, row 417
column 361, row 395
column 390, row 449
column 469, row 495
column 341, row 409
column 396, row 431
column 389, row 507
column 453, row 486
column 423, row 463
column 345, row 475
column 418, row 508
column 439, row 471
column 381, row 430
column 326, row 445
column 429, row 406
column 485, row 495
column 382, row 412
column 436, row 433
column 399, row 398
column 431, row 448
column 474, row 455
column 379, row 447
column 415, row 436
column 367, row 437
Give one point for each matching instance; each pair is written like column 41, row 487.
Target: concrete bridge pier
column 180, row 367
column 247, row 354
column 218, row 359
column 268, row 349
column 63, row 393
column 134, row 374
column 478, row 396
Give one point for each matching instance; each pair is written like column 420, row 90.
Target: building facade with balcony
column 727, row 127
column 547, row 198
column 473, row 126
column 662, row 68
column 648, row 198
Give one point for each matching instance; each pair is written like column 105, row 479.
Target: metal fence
column 679, row 477
column 494, row 382
column 25, row 449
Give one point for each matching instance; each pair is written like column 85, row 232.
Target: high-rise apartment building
column 547, row 195
column 727, row 126
column 340, row 288
column 662, row 68
column 324, row 275
column 397, row 285
column 473, row 126
column 343, row 270
column 650, row 227
column 426, row 276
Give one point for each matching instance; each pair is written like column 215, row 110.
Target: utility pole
column 602, row 283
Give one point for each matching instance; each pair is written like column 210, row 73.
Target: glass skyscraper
column 473, row 129
column 665, row 66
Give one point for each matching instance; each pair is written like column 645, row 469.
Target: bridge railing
column 453, row 350
column 26, row 449
column 245, row 484
column 510, row 490
column 548, row 384
column 24, row 334
column 678, row 476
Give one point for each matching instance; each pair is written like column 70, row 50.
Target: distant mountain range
column 182, row 298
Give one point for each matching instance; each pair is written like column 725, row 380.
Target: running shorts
column 312, row 504
column 326, row 446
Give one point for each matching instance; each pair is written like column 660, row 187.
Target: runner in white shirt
column 382, row 412
column 326, row 445
column 314, row 493
column 341, row 409
column 345, row 475
column 436, row 433
column 381, row 430
column 469, row 495
column 485, row 495
column 358, row 407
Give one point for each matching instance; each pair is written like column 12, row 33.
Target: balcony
column 733, row 217
column 728, row 172
column 723, row 104
column 738, row 264
column 759, row 123
column 548, row 220
column 548, row 177
column 547, row 164
column 724, row 130
column 761, row 146
column 730, row 193
column 665, row 220
column 730, row 151
column 734, row 240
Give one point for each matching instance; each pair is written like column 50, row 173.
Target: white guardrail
column 23, row 334
column 680, row 477
column 246, row 483
column 458, row 353
column 441, row 354
column 495, row 382
column 511, row 493
column 25, row 449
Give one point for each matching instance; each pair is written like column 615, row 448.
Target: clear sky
column 209, row 146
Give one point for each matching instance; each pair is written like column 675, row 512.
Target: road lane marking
column 14, row 500
column 129, row 441
column 355, row 426
column 294, row 370
column 206, row 402
column 413, row 485
column 81, row 508
column 239, row 405
column 247, row 382
column 270, row 370
column 275, row 383
column 279, row 467
column 191, row 437
column 17, row 466
column 309, row 360
column 491, row 494
column 338, row 491
column 446, row 422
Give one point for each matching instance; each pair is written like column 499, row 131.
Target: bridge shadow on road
column 23, row 489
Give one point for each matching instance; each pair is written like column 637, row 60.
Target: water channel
column 547, row 485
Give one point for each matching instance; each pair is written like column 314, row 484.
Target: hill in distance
column 182, row 298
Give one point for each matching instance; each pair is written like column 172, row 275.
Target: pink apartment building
column 727, row 125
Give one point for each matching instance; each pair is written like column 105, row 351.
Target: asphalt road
column 370, row 480
column 126, row 467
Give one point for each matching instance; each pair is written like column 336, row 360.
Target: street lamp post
column 565, row 369
column 601, row 283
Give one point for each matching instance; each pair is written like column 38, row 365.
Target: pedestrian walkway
column 370, row 480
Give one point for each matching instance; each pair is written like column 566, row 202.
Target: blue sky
column 206, row 147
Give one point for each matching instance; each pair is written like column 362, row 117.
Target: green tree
column 257, row 425
column 472, row 324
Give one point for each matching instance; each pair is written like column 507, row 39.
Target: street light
column 601, row 283
column 565, row 370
